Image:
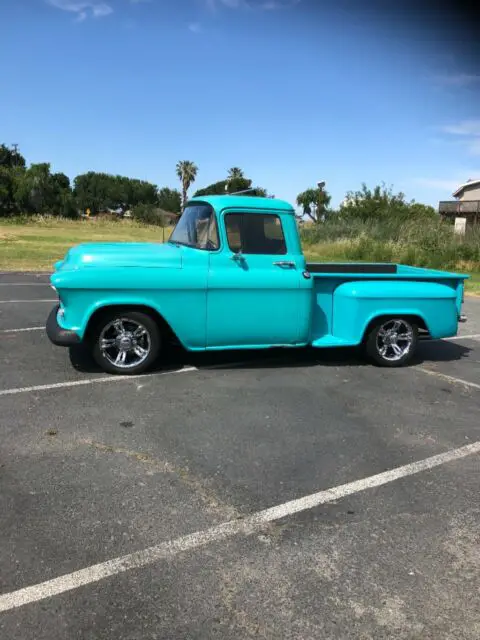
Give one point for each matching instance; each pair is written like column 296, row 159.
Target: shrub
column 150, row 214
column 422, row 241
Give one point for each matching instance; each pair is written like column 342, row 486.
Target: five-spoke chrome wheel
column 394, row 339
column 391, row 342
column 126, row 342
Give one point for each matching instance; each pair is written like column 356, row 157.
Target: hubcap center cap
column 125, row 341
column 391, row 338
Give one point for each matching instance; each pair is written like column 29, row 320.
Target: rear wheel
column 126, row 342
column 392, row 342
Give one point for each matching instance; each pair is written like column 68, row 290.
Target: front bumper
column 57, row 335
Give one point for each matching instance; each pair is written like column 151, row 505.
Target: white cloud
column 438, row 183
column 474, row 147
column 459, row 79
column 82, row 8
column 266, row 5
column 466, row 129
column 271, row 5
column 195, row 27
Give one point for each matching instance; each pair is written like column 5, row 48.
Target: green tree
column 186, row 172
column 60, row 181
column 35, row 190
column 11, row 158
column 169, row 200
column 91, row 191
column 7, row 191
column 381, row 203
column 314, row 204
column 12, row 167
column 235, row 172
column 100, row 191
column 235, row 182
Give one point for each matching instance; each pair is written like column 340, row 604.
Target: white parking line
column 469, row 337
column 444, row 376
column 21, row 330
column 16, row 301
column 33, row 274
column 86, row 381
column 245, row 526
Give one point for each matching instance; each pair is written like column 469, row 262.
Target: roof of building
column 469, row 183
column 244, row 202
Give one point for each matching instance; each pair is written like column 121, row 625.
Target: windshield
column 197, row 228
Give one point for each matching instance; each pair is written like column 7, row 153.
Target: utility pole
column 320, row 185
column 15, row 153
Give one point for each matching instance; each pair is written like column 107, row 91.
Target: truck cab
column 233, row 276
column 256, row 292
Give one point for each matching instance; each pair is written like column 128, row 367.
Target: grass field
column 35, row 245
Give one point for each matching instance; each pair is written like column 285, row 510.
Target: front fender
column 178, row 296
column 356, row 304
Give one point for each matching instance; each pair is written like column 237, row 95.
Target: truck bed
column 352, row 267
column 349, row 270
column 350, row 293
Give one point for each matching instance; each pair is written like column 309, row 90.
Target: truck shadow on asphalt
column 175, row 358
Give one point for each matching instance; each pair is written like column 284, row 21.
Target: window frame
column 217, row 228
column 247, row 215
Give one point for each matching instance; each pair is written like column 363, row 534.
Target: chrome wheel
column 125, row 343
column 394, row 340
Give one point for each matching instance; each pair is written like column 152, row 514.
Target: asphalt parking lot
column 244, row 495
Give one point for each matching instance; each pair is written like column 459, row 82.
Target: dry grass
column 37, row 244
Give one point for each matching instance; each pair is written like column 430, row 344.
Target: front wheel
column 392, row 342
column 126, row 342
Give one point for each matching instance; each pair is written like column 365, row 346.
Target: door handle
column 285, row 263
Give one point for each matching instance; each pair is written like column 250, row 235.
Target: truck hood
column 121, row 254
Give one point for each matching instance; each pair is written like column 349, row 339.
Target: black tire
column 150, row 341
column 376, row 341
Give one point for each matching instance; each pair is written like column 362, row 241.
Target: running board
column 331, row 341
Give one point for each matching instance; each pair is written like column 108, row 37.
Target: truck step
column 331, row 341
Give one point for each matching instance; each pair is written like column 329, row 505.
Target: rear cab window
column 255, row 233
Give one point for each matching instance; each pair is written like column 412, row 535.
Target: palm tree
column 235, row 172
column 187, row 172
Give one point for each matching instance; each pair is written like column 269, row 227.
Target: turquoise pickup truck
column 233, row 276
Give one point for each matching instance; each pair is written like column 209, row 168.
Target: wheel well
column 165, row 328
column 418, row 320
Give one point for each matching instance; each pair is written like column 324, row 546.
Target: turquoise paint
column 213, row 302
column 357, row 303
column 253, row 301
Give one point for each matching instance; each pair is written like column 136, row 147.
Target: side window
column 253, row 233
column 233, row 226
column 213, row 234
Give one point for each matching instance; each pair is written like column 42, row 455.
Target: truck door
column 254, row 295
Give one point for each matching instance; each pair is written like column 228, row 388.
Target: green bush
column 424, row 241
column 150, row 214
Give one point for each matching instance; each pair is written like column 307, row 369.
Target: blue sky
column 292, row 91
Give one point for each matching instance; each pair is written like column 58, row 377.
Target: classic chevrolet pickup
column 233, row 276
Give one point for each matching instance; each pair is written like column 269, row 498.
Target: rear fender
column 358, row 304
